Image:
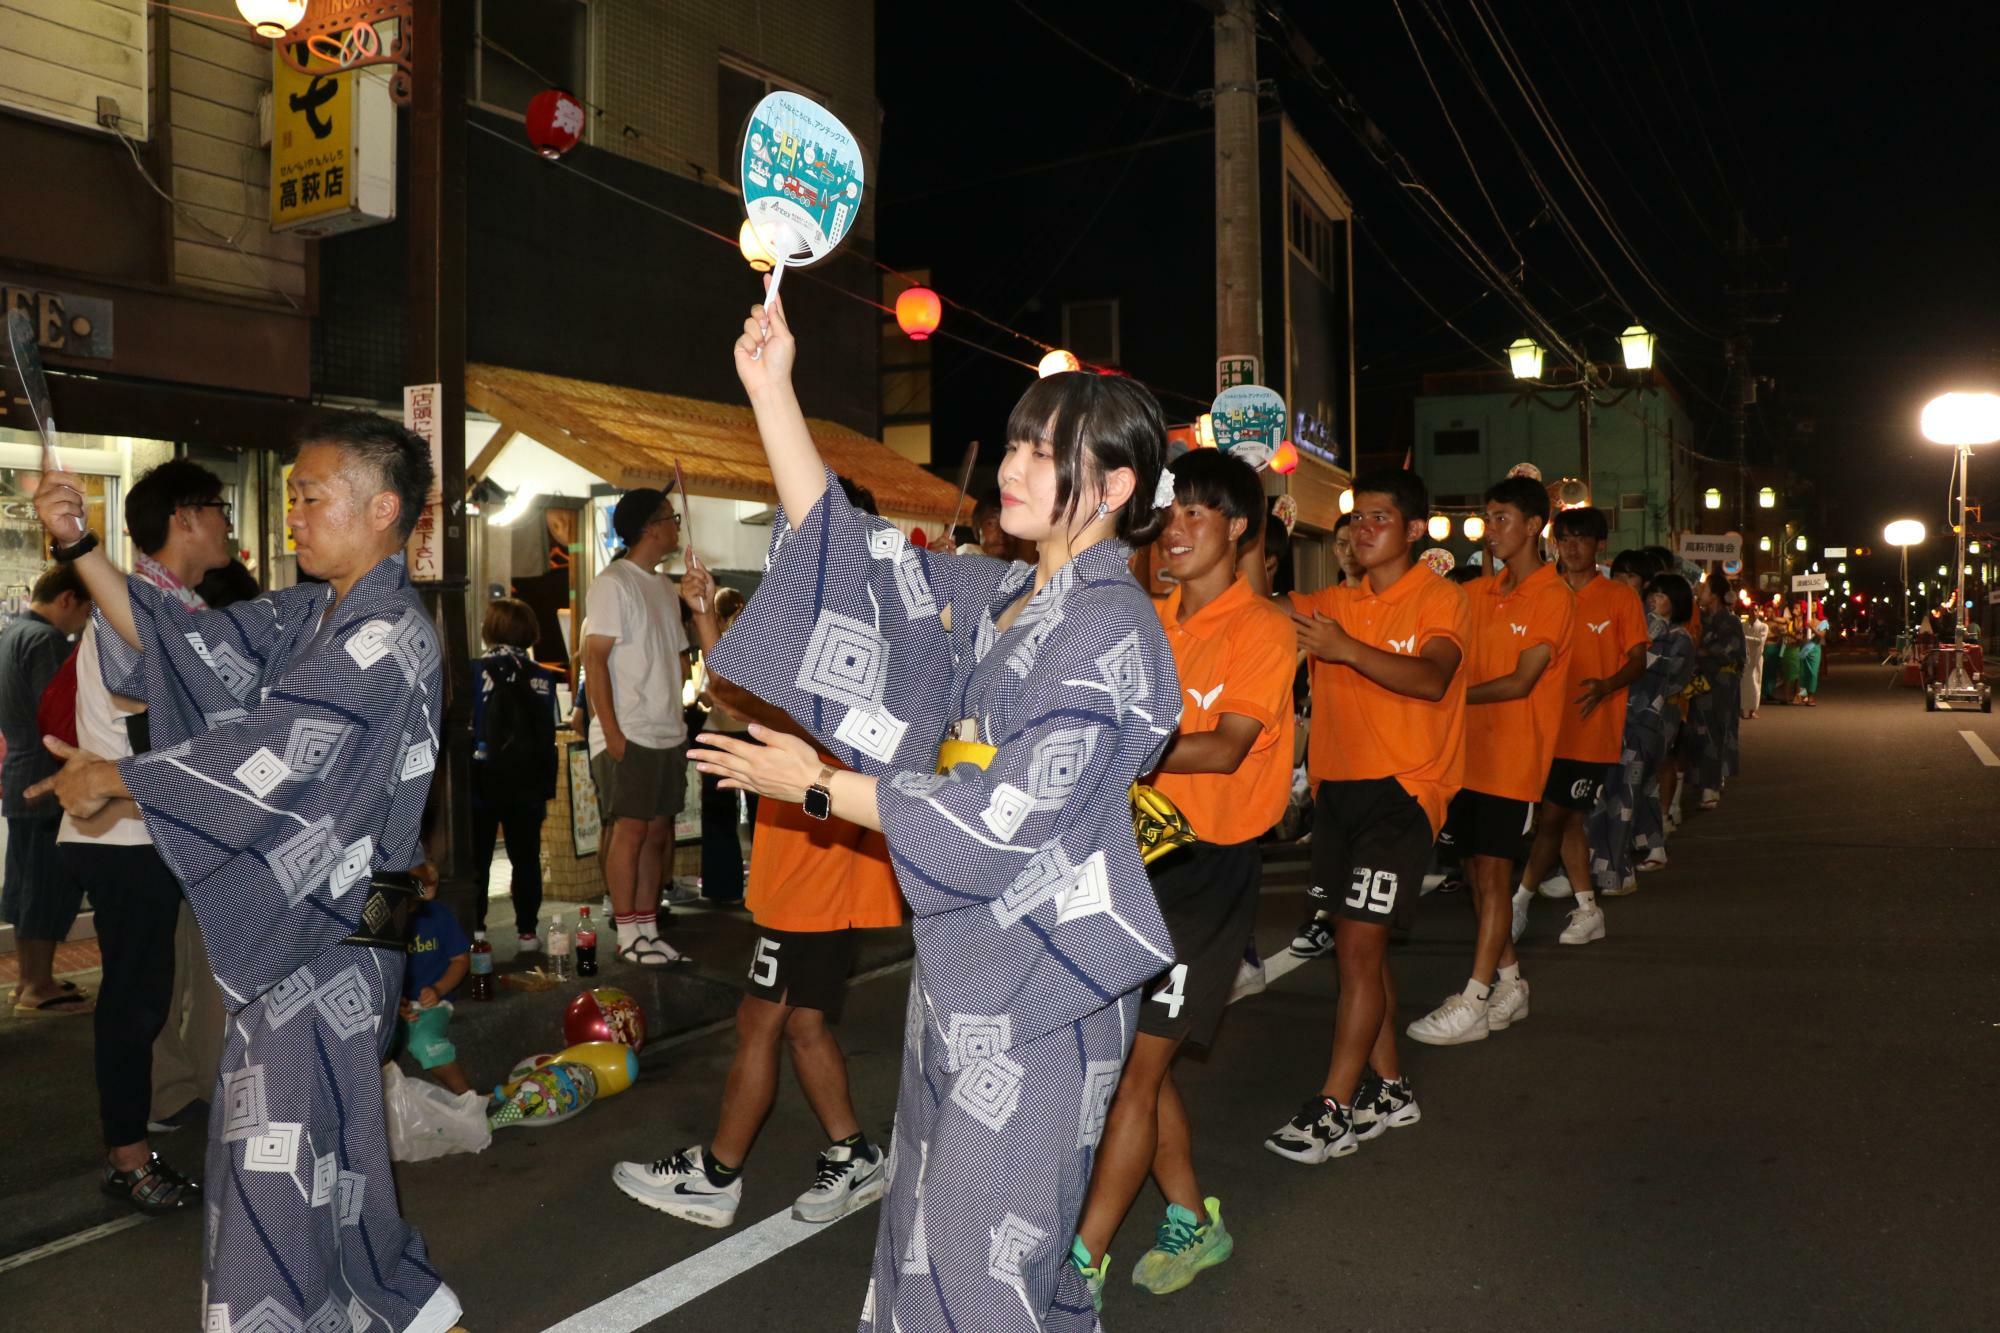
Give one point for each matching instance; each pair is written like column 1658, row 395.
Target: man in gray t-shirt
column 39, row 900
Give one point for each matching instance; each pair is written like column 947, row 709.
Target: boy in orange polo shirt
column 1395, row 697
column 1229, row 771
column 1315, row 936
column 1517, row 667
column 1607, row 653
column 814, row 884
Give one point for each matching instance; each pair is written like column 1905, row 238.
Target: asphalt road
column 1765, row 1101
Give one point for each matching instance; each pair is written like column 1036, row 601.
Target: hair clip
column 1163, row 493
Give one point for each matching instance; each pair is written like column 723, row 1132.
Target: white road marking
column 70, row 1242
column 1982, row 749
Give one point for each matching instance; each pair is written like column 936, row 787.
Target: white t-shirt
column 641, row 611
column 100, row 729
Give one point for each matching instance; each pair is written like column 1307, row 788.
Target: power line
column 1133, row 81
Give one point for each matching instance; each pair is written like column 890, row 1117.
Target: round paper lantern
column 1285, row 461
column 555, row 122
column 605, row 1014
column 272, row 18
column 918, row 311
column 1057, row 362
column 752, row 245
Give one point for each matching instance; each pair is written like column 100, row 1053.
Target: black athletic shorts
column 1575, row 784
column 804, row 969
column 1208, row 895
column 1371, row 846
column 1478, row 824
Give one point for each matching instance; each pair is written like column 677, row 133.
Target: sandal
column 154, row 1188
column 70, row 1003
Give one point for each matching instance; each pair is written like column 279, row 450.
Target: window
column 1090, row 330
column 1454, row 442
column 1308, row 231
column 520, row 46
column 739, row 87
column 1632, row 500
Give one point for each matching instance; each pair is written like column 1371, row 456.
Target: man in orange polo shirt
column 1607, row 653
column 1518, row 666
column 1315, row 936
column 1229, row 772
column 1396, row 700
column 814, row 885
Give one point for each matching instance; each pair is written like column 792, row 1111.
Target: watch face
column 819, row 802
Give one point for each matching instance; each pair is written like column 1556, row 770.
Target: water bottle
column 482, row 967
column 559, row 954
column 586, row 944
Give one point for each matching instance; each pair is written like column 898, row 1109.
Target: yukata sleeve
column 1093, row 721
column 194, row 669
column 843, row 634
column 275, row 822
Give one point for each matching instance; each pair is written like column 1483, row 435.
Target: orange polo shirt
column 1419, row 743
column 1608, row 625
column 1319, row 676
column 1235, row 655
column 1509, row 746
column 811, row 874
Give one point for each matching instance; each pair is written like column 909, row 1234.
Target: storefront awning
column 631, row 437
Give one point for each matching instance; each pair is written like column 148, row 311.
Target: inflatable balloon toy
column 545, row 1096
column 605, row 1014
column 615, row 1064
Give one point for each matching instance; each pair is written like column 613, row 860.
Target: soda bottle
column 482, row 967
column 586, row 944
column 559, row 954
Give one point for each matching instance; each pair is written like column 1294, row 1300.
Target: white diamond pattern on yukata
column 352, row 868
column 990, row 1090
column 261, row 773
column 346, row 1006
column 1100, row 1084
column 919, row 602
column 330, row 1319
column 912, row 783
column 352, row 1188
column 1060, row 760
column 1046, row 878
column 973, row 1037
column 1005, row 810
column 300, row 862
column 314, row 748
column 1013, row 1240
column 1124, row 671
column 237, row 675
column 370, row 644
column 326, row 1177
column 1089, row 894
column 288, row 997
column 418, row 760
column 873, row 731
column 845, row 661
column 413, row 644
column 267, row 1316
column 276, row 1149
column 244, row 1109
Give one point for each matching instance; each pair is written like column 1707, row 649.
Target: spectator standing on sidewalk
column 180, row 524
column 40, row 897
column 721, row 852
column 513, row 761
column 636, row 658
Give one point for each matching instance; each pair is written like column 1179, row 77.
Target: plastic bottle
column 586, row 944
column 560, row 961
column 482, row 967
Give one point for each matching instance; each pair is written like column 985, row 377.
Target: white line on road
column 70, row 1242
column 1982, row 749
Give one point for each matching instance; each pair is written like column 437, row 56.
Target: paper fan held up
column 802, row 177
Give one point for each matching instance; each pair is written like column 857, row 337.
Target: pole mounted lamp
column 1767, row 498
column 1637, row 345
column 1524, row 356
column 1904, row 533
column 1711, row 498
column 1960, row 421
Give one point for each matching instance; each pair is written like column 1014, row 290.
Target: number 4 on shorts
column 1374, row 890
column 1174, row 993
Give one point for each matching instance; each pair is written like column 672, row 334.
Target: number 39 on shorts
column 1373, row 891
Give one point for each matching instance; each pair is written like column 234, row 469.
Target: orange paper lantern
column 1286, row 459
column 918, row 311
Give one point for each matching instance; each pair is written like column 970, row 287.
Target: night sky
column 1872, row 149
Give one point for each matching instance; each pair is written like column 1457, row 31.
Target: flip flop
column 69, row 1004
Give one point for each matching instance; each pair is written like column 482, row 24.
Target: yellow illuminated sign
column 312, row 143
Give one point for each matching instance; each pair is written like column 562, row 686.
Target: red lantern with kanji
column 918, row 311
column 555, row 122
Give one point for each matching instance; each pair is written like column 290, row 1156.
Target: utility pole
column 1239, row 305
column 1746, row 280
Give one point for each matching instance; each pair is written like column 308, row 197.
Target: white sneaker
column 1250, row 980
column 1520, row 916
column 680, row 1186
column 1458, row 1020
column 1630, row 886
column 681, row 891
column 1315, row 937
column 1383, row 1105
column 1321, row 1130
column 1585, row 924
column 1507, row 1005
column 1655, row 860
column 845, row 1182
column 1557, row 887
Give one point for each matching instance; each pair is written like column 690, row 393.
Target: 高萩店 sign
column 333, row 149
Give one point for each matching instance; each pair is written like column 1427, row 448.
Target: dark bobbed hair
column 1112, row 420
column 228, row 585
column 1679, row 595
column 55, row 581
column 1405, row 489
column 1633, row 561
column 1719, row 584
column 510, row 623
column 401, row 462
column 1585, row 522
column 1524, row 493
column 1225, row 483
column 858, row 495
column 1663, row 559
column 150, row 506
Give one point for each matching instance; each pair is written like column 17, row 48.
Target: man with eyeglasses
column 181, row 527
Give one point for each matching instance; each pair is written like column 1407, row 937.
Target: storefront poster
column 802, row 175
column 584, row 827
column 420, row 418
column 1249, row 421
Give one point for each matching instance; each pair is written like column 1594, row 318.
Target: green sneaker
column 1092, row 1277
column 1182, row 1249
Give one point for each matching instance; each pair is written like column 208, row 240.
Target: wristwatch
column 83, row 545
column 819, row 796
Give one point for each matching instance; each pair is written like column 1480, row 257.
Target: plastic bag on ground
column 425, row 1121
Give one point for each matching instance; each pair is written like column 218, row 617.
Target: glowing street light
column 1801, row 542
column 1763, row 543
column 1637, row 344
column 1524, row 355
column 1905, row 533
column 1711, row 498
column 1960, row 421
column 1767, row 498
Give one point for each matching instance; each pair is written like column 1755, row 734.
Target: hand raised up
column 766, row 351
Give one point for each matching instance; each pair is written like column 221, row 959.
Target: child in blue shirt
column 439, row 957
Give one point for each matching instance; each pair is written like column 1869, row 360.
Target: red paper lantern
column 918, row 311
column 555, row 122
column 1286, row 458
column 920, row 539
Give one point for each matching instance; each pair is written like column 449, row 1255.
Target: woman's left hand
column 771, row 763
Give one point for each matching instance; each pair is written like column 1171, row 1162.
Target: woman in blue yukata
column 1035, row 925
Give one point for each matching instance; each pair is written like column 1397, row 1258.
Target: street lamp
column 1764, row 543
column 1959, row 421
column 1904, row 532
column 1767, row 498
column 1800, row 544
column 1637, row 344
column 1711, row 498
column 1525, row 356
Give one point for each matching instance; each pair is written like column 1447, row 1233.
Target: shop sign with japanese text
column 420, row 417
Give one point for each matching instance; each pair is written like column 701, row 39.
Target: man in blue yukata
column 290, row 749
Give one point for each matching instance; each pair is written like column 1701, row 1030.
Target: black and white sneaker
column 1315, row 937
column 1320, row 1130
column 680, row 1185
column 845, row 1181
column 1383, row 1104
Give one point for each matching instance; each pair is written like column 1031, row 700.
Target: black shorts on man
column 1481, row 824
column 806, row 969
column 1208, row 896
column 1371, row 846
column 1575, row 784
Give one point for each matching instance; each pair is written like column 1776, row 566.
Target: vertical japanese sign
column 420, row 418
column 312, row 143
column 1234, row 371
